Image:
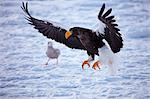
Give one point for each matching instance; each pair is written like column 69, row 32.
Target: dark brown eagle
column 82, row 38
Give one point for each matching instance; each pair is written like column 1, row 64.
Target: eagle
column 92, row 41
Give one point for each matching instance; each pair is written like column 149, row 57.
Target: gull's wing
column 52, row 30
column 112, row 35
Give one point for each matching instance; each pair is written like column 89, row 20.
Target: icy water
column 22, row 52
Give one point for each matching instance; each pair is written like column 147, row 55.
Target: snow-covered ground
column 22, row 52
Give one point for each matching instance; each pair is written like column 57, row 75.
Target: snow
column 22, row 52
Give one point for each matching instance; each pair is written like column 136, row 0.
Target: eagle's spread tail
column 108, row 58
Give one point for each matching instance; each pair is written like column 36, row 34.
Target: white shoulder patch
column 100, row 28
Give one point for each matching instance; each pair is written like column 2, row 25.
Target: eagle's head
column 72, row 32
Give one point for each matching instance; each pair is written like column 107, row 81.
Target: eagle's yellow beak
column 68, row 34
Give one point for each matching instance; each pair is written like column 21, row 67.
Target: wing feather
column 51, row 30
column 107, row 13
column 102, row 10
column 112, row 35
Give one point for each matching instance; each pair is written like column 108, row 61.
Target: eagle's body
column 82, row 38
column 89, row 40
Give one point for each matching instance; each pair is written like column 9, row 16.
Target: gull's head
column 50, row 44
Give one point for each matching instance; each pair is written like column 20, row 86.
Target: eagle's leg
column 96, row 65
column 87, row 62
column 47, row 61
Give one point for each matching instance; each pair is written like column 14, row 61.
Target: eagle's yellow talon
column 96, row 65
column 84, row 63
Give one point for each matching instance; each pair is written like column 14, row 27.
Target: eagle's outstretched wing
column 52, row 30
column 112, row 35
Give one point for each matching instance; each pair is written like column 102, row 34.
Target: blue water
column 22, row 52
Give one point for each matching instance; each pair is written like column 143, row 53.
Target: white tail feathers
column 107, row 57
